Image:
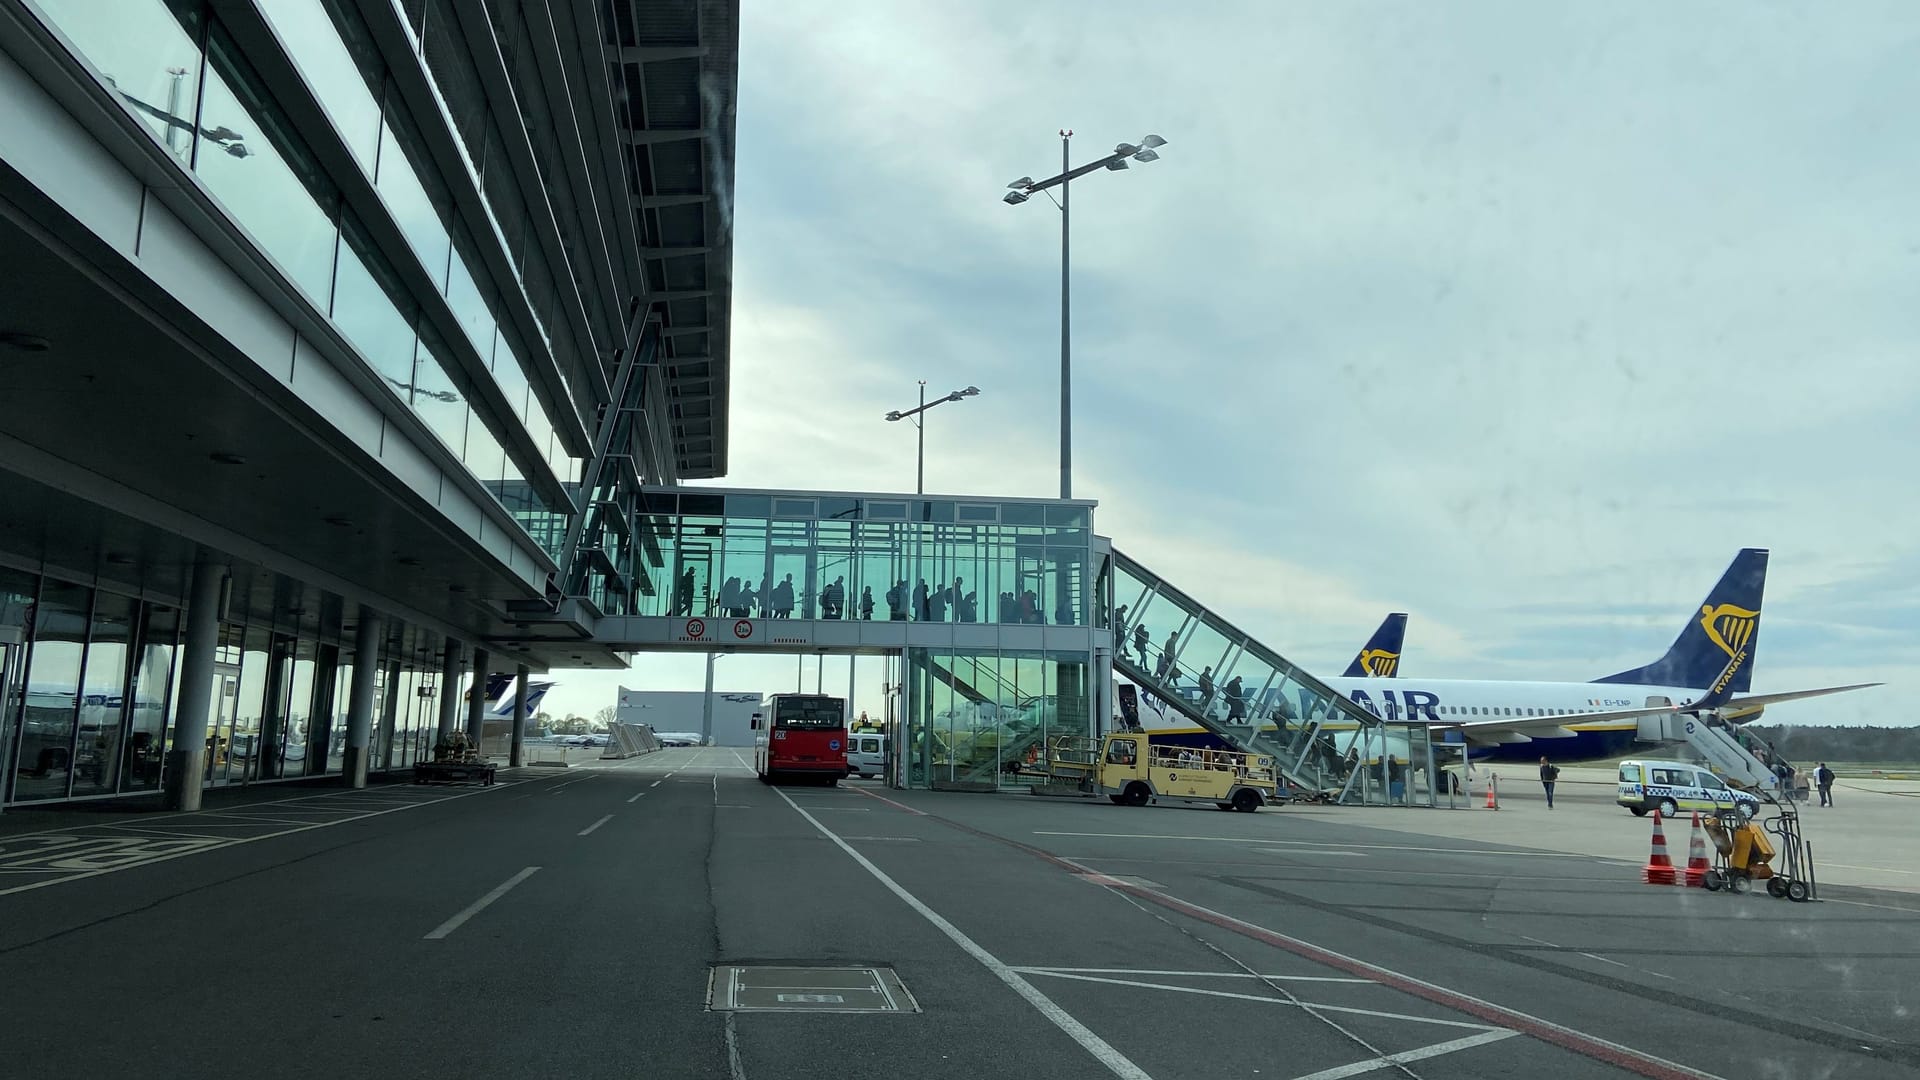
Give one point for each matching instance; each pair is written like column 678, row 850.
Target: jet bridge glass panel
column 848, row 557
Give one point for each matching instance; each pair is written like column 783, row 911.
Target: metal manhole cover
column 746, row 988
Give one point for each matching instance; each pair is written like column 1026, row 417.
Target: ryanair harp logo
column 1729, row 627
column 1380, row 663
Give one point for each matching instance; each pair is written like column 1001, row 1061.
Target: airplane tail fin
column 1726, row 626
column 1381, row 656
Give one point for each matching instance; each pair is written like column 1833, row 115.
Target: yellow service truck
column 1134, row 771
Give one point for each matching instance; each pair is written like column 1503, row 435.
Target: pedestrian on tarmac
column 1549, row 775
column 1823, row 777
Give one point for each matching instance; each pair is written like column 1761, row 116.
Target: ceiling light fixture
column 14, row 339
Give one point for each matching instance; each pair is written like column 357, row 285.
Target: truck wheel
column 1136, row 794
column 833, row 781
column 1224, row 805
column 1246, row 800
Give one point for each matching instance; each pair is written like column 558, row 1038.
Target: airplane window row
column 1489, row 710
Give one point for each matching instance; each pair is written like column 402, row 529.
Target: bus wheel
column 1246, row 800
column 1136, row 794
column 766, row 778
column 833, row 781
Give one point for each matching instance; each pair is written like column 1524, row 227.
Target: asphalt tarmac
column 568, row 923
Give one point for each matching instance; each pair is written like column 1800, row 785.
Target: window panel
column 45, row 756
column 264, row 176
column 149, row 52
column 403, row 180
column 153, row 671
column 97, row 753
column 438, row 398
column 365, row 311
column 328, row 42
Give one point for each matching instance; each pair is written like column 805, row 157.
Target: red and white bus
column 800, row 735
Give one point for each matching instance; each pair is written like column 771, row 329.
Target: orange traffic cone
column 1493, row 793
column 1659, row 868
column 1697, row 864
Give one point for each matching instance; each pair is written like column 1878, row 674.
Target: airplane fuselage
column 1445, row 702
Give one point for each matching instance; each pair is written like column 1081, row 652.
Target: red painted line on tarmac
column 1590, row 1046
column 895, row 805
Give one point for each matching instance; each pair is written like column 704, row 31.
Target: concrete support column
column 187, row 757
column 366, row 667
column 477, row 699
column 449, row 698
column 518, row 739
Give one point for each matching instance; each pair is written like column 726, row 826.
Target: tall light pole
column 920, row 421
column 1022, row 190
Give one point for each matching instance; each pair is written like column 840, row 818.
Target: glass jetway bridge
column 1004, row 621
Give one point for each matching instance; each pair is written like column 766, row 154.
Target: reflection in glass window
column 96, row 755
column 262, row 173
column 44, row 760
column 329, row 43
column 153, row 668
column 148, row 51
column 438, row 399
column 365, row 311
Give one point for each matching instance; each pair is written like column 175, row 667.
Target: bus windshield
column 808, row 712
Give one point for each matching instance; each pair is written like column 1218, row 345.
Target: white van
column 866, row 753
column 1673, row 786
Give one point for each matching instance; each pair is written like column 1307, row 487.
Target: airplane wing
column 1524, row 728
column 1794, row 695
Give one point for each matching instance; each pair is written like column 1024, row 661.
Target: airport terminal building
column 332, row 332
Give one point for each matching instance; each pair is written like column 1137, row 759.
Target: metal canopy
column 679, row 62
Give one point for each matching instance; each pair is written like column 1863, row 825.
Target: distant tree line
column 1852, row 743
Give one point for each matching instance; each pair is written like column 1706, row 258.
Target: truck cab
column 1133, row 771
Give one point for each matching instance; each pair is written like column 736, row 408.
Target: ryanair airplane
column 1570, row 721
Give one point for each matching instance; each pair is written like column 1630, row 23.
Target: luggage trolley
column 1743, row 854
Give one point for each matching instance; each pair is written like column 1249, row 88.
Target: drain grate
column 750, row 988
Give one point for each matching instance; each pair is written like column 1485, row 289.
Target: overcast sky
column 1518, row 317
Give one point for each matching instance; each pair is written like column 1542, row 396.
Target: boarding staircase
column 1743, row 759
column 1310, row 730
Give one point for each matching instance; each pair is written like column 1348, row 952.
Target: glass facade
column 178, row 68
column 822, row 556
column 971, row 719
column 91, row 681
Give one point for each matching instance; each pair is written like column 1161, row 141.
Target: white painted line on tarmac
column 1184, row 974
column 900, row 839
column 1102, row 1051
column 1267, row 999
column 636, row 798
column 656, row 783
column 1604, row 960
column 1875, row 869
column 1405, row 1057
column 1315, row 851
column 595, row 825
column 217, row 844
column 742, row 761
column 480, row 905
column 1882, row 907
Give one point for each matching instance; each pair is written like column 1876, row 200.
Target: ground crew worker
column 1549, row 775
column 1823, row 777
